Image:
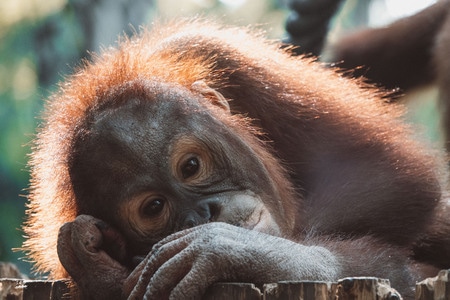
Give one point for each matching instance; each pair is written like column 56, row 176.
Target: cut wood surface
column 355, row 288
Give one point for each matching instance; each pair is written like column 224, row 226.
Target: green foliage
column 55, row 43
column 19, row 102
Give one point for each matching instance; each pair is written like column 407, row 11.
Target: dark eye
column 190, row 167
column 153, row 207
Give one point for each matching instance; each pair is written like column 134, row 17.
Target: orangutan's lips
column 254, row 221
column 265, row 223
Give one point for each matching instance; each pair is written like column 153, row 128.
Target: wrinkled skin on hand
column 186, row 263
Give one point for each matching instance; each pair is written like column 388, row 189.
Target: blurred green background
column 43, row 40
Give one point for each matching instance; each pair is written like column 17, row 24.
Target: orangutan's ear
column 210, row 93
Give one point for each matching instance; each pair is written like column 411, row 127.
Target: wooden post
column 11, row 289
column 297, row 290
column 237, row 291
column 366, row 288
column 38, row 289
column 19, row 289
column 435, row 288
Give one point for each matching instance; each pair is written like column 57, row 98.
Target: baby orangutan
column 195, row 154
